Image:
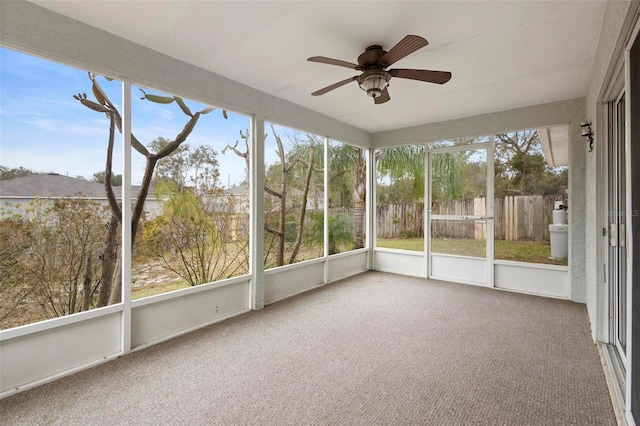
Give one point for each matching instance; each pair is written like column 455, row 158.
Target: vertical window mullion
column 126, row 217
column 490, row 210
column 326, row 209
column 256, row 231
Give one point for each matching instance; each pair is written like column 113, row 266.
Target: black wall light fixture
column 587, row 132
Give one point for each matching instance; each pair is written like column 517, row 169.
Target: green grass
column 413, row 244
column 526, row 251
column 159, row 288
column 520, row 251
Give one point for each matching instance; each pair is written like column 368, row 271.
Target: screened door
column 460, row 217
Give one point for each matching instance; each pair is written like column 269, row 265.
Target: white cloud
column 69, row 127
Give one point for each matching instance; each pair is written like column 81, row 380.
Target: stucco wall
column 577, row 207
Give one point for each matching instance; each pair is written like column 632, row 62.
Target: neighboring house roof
column 52, row 185
column 237, row 190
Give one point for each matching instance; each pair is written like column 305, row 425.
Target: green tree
column 116, row 180
column 347, row 164
column 340, row 231
column 11, row 173
column 403, row 163
column 186, row 164
column 521, row 168
column 188, row 240
column 454, row 175
column 397, row 191
column 401, row 180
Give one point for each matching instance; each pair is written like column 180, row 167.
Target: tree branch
column 272, row 191
column 181, row 137
column 303, row 208
column 272, row 230
column 104, row 100
column 113, row 202
column 142, row 196
column 293, row 162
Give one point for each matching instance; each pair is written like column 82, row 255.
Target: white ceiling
column 503, row 54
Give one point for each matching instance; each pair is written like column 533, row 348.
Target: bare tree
column 303, row 154
column 64, row 239
column 308, row 164
column 110, row 278
column 16, row 285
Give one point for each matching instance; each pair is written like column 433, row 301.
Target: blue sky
column 44, row 129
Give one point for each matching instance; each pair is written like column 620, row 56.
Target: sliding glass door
column 616, row 228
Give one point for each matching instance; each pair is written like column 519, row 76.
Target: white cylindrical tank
column 559, row 217
column 559, row 236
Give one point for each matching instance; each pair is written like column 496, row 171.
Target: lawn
column 521, row 251
column 150, row 278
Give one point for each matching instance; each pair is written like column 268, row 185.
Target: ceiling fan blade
column 330, row 61
column 384, row 97
column 439, row 77
column 333, row 86
column 405, row 47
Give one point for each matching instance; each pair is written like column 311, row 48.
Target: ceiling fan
column 374, row 62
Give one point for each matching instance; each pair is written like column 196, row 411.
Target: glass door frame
column 488, row 217
column 615, row 227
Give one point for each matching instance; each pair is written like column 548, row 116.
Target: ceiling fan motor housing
column 371, row 58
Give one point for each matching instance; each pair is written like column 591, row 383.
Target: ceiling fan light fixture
column 374, row 82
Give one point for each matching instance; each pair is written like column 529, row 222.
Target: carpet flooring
column 374, row 349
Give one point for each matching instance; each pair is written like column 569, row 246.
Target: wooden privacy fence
column 516, row 218
column 525, row 217
column 400, row 220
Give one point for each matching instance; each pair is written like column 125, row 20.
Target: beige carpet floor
column 375, row 349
